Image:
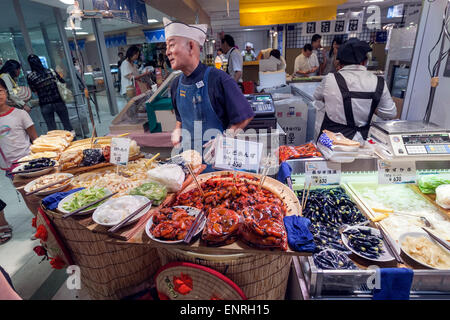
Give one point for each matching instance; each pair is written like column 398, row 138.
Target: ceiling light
column 67, row 1
column 369, row 1
column 152, row 21
column 340, row 14
column 248, row 29
column 70, row 29
column 82, row 32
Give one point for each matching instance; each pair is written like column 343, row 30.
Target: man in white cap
column 206, row 100
column 248, row 54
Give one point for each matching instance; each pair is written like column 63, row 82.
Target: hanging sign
column 235, row 154
column 393, row 172
column 322, row 172
column 120, row 148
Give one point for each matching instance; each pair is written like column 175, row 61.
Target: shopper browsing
column 9, row 72
column 206, row 100
column 274, row 63
column 129, row 72
column 44, row 82
column 306, row 63
column 352, row 95
column 235, row 62
column 17, row 131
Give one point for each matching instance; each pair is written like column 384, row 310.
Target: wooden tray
column 286, row 194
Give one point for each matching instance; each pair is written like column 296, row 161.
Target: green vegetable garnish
column 152, row 190
column 84, row 197
column 429, row 183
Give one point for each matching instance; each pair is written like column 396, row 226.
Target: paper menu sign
column 235, row 154
column 391, row 172
column 120, row 148
column 322, row 172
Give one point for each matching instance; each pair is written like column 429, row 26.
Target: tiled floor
column 32, row 278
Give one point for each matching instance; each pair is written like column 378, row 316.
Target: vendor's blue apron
column 197, row 113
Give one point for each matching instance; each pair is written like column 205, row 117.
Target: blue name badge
column 199, row 84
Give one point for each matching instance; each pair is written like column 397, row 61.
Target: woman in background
column 44, row 82
column 128, row 70
column 331, row 62
column 9, row 72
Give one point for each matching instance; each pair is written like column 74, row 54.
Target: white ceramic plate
column 142, row 200
column 34, row 173
column 69, row 198
column 417, row 235
column 384, row 257
column 47, row 191
column 191, row 211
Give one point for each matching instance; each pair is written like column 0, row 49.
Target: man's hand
column 176, row 137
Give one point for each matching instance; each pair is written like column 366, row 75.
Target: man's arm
column 386, row 108
column 241, row 125
column 237, row 75
column 176, row 134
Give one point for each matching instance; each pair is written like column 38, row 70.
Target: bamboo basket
column 109, row 270
column 261, row 277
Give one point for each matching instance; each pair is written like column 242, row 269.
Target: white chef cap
column 195, row 32
column 249, row 44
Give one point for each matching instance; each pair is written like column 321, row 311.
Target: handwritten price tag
column 390, row 172
column 235, row 154
column 322, row 172
column 120, row 148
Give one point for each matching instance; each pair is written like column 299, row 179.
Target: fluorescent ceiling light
column 369, row 1
column 248, row 29
column 70, row 29
column 82, row 32
column 340, row 14
column 67, row 1
column 152, row 21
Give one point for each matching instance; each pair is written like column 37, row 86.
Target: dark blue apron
column 197, row 115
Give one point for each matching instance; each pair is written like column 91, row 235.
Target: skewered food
column 92, row 157
column 83, row 197
column 169, row 175
column 67, row 135
column 304, row 151
column 152, row 190
column 222, row 227
column 70, row 159
column 328, row 209
column 49, row 143
column 427, row 252
column 262, row 210
column 101, row 142
column 364, row 242
column 39, row 163
column 171, row 224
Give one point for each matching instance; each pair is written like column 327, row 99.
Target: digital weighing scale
column 264, row 109
column 411, row 139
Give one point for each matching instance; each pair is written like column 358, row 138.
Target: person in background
column 201, row 94
column 220, row 54
column 234, row 68
column 9, row 72
column 353, row 95
column 274, row 63
column 44, row 82
column 129, row 70
column 121, row 58
column 331, row 62
column 5, row 228
column 6, row 287
column 248, row 54
column 317, row 50
column 306, row 63
column 76, row 65
column 218, row 61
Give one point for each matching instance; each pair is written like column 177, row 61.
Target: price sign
column 322, row 172
column 120, row 148
column 390, row 172
column 235, row 154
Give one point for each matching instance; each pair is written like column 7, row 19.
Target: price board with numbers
column 390, row 172
column 235, row 154
column 322, row 172
column 120, row 148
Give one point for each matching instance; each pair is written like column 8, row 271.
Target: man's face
column 307, row 53
column 224, row 46
column 178, row 52
column 249, row 49
column 316, row 44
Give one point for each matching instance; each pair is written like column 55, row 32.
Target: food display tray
column 98, row 166
column 432, row 199
column 316, row 283
column 290, row 199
